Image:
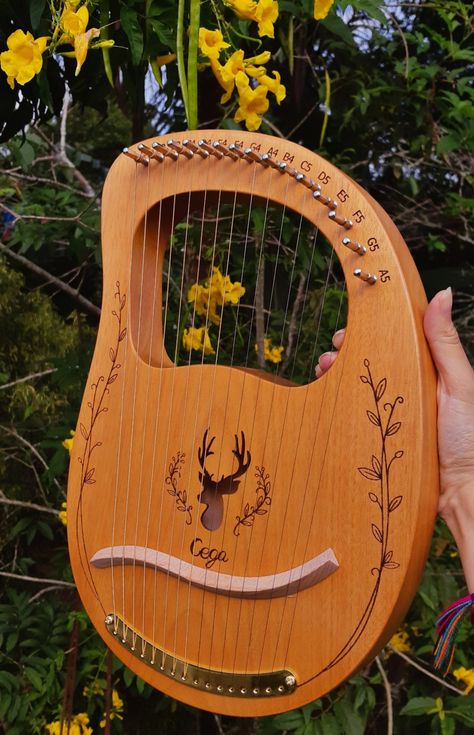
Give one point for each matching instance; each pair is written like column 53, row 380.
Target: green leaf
column 418, row 706
column 131, row 26
column 36, row 10
column 447, row 725
column 337, row 26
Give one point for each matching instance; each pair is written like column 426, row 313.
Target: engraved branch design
column 172, row 480
column 382, row 417
column 380, row 467
column 100, row 390
column 262, row 491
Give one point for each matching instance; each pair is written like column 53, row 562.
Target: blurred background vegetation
column 384, row 91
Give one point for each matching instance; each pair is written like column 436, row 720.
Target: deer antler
column 239, row 454
column 203, row 453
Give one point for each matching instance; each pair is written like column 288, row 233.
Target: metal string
column 218, row 344
column 145, row 432
column 132, row 427
column 162, row 372
column 306, row 545
column 185, row 401
column 122, row 403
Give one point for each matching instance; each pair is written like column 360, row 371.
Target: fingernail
column 446, row 302
column 339, row 331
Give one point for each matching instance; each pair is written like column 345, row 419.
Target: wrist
column 456, row 506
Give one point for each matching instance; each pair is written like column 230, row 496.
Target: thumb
column 446, row 348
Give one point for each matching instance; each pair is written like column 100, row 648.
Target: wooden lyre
column 242, row 541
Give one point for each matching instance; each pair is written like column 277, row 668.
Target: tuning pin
column 356, row 247
column 210, row 149
column 367, row 277
column 346, row 223
column 151, row 153
column 138, row 158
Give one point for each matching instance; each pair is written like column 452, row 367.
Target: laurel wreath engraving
column 172, row 480
column 262, row 491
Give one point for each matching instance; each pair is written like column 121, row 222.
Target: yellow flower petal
column 253, row 103
column 322, row 8
column 211, row 43
column 24, row 59
column 81, row 46
column 266, row 15
column 74, row 22
column 273, row 85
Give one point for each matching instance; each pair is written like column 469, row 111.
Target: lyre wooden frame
column 377, row 404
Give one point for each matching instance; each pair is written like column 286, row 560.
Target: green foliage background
column 398, row 117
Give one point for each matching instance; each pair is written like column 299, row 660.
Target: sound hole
column 244, row 283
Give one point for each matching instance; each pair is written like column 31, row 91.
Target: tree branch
column 388, row 693
column 39, row 580
column 29, row 506
column 28, row 377
column 87, row 305
column 426, row 672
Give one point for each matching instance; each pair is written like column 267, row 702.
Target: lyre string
column 122, row 404
column 303, row 308
column 185, row 401
column 161, row 490
column 316, row 492
column 294, row 465
column 271, row 176
column 214, row 245
column 218, row 344
column 239, row 164
column 148, row 384
column 170, row 416
column 282, row 418
column 134, row 402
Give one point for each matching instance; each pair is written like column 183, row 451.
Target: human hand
column 455, row 395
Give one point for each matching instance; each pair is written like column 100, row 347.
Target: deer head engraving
column 213, row 490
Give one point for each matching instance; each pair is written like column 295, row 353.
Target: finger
column 338, row 338
column 446, row 348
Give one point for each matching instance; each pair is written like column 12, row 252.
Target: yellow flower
column 253, row 103
column 322, row 8
column 226, row 74
column 63, row 514
column 400, row 641
column 266, row 13
column 466, row 676
column 81, row 46
column 67, row 443
column 272, row 354
column 198, row 339
column 273, row 85
column 73, row 23
column 233, row 291
column 211, row 43
column 243, row 8
column 117, row 708
column 216, row 292
column 24, row 57
column 77, row 726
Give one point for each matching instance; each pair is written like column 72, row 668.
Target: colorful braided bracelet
column 447, row 626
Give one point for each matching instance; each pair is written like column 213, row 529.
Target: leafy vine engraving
column 172, row 480
column 100, row 389
column 262, row 491
column 382, row 417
